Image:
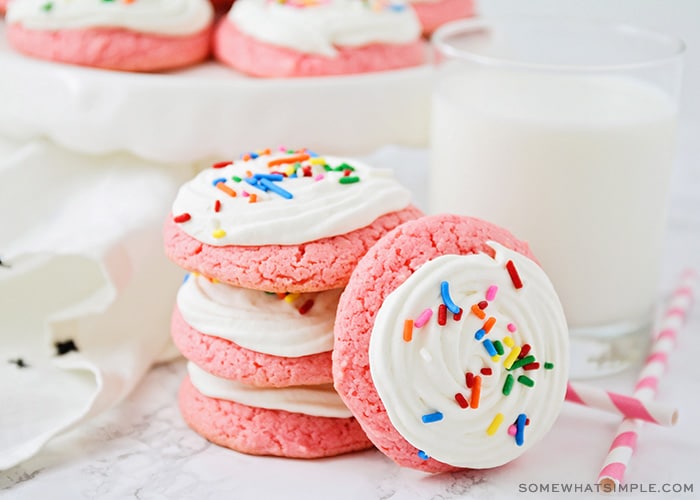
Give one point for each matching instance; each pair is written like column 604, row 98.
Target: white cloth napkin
column 85, row 289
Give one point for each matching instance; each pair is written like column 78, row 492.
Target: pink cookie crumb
column 433, row 14
column 259, row 431
column 257, row 58
column 112, row 48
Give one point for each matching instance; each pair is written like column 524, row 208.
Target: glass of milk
column 563, row 132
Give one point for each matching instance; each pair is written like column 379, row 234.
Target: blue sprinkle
column 265, row 183
column 397, row 7
column 429, row 418
column 445, row 292
column 423, row 455
column 216, row 181
column 312, row 154
column 253, row 156
column 293, row 176
column 255, row 183
column 187, row 276
column 480, row 334
column 520, row 429
column 272, row 177
column 490, row 348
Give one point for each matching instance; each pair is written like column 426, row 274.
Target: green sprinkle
column 548, row 365
column 270, row 293
column 522, row 362
column 526, row 380
column 348, row 180
column 327, row 168
column 236, row 178
column 508, row 386
column 344, row 166
column 290, row 151
column 499, row 347
column 47, row 6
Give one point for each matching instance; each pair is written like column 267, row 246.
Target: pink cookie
column 112, row 48
column 391, row 376
column 317, row 265
column 225, row 359
column 260, row 431
column 3, row 6
column 432, row 14
column 257, row 58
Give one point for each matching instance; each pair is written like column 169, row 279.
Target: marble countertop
column 143, row 449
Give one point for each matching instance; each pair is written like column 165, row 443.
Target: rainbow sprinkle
column 495, row 424
column 520, row 429
column 423, row 318
column 446, row 299
column 429, row 418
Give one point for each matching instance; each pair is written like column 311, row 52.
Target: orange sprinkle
column 288, row 159
column 222, row 186
column 476, row 392
column 408, row 330
column 253, row 198
column 248, row 173
column 266, row 152
column 489, row 324
column 246, row 157
column 478, row 312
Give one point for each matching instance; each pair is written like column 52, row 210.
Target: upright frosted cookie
column 451, row 347
column 287, row 221
column 434, row 13
column 267, row 340
column 301, row 422
column 318, row 37
column 142, row 35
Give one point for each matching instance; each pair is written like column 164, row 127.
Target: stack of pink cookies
column 270, row 240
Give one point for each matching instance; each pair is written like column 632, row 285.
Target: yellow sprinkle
column 508, row 341
column 218, row 233
column 291, row 297
column 495, row 424
column 496, row 358
column 290, row 170
column 317, row 161
column 512, row 356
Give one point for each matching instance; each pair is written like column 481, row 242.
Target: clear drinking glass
column 563, row 132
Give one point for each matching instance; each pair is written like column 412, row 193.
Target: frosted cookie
column 268, row 340
column 283, row 222
column 434, row 13
column 137, row 35
column 292, row 38
column 451, row 346
column 300, row 422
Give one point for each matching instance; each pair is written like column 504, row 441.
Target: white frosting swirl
column 259, row 321
column 315, row 400
column 422, row 376
column 163, row 17
column 320, row 28
column 321, row 205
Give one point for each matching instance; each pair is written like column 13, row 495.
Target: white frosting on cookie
column 418, row 379
column 315, row 400
column 322, row 204
column 163, row 17
column 260, row 321
column 323, row 25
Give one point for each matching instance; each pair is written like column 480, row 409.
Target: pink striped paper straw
column 625, row 442
column 627, row 406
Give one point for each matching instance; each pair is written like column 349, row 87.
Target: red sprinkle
column 306, row 306
column 532, row 366
column 222, row 164
column 524, row 350
column 307, row 171
column 182, row 218
column 486, row 371
column 470, row 380
column 458, row 315
column 217, row 206
column 347, row 172
column 514, row 276
column 442, row 314
column 527, row 421
column 461, row 400
column 482, row 305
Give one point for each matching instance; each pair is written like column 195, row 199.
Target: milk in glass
column 577, row 165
